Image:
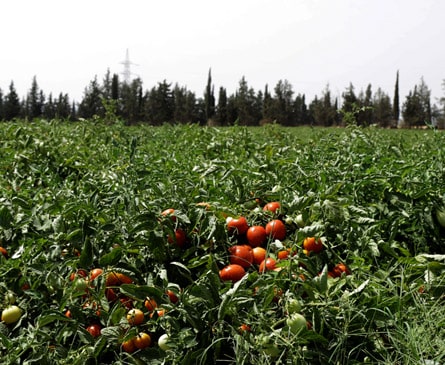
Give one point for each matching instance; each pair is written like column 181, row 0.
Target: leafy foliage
column 75, row 197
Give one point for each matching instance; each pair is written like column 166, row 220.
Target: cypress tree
column 209, row 98
column 395, row 105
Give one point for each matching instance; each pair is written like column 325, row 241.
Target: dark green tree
column 107, row 85
column 396, row 101
column 209, row 98
column 221, row 109
column 115, row 87
column 12, row 107
column 283, row 103
column 383, row 110
column 35, row 101
column 365, row 115
column 248, row 110
column 184, row 109
column 63, row 107
column 268, row 107
column 91, row 104
column 50, row 109
column 160, row 105
column 416, row 110
column 1, row 105
column 300, row 110
column 132, row 101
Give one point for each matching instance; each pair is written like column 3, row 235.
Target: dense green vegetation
column 80, row 196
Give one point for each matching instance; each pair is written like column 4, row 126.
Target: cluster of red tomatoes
column 254, row 238
column 85, row 282
column 254, row 248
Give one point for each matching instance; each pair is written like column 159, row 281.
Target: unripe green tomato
column 296, row 323
column 80, row 284
column 163, row 342
column 440, row 215
column 293, row 306
column 11, row 314
column 10, row 297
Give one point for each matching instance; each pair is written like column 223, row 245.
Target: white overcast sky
column 310, row 43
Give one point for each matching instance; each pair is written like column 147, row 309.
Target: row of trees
column 167, row 103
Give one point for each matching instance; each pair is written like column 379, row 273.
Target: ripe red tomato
column 237, row 225
column 4, row 252
column 276, row 229
column 232, row 272
column 310, row 244
column 267, row 264
column 241, row 255
column 81, row 273
column 259, row 255
column 256, row 236
column 180, row 237
column 94, row 330
column 273, row 207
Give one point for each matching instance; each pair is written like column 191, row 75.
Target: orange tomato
column 237, row 225
column 256, row 236
column 142, row 340
column 172, row 296
column 267, row 264
column 276, row 229
column 135, row 317
column 310, row 244
column 95, row 273
column 244, row 328
column 259, row 255
column 339, row 269
column 116, row 278
column 273, row 207
column 170, row 212
column 129, row 346
column 232, row 272
column 241, row 255
column 4, row 252
column 283, row 254
column 150, row 304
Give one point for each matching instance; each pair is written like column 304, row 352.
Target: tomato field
column 195, row 245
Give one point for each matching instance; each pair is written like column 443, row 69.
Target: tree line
column 112, row 99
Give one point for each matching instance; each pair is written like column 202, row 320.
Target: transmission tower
column 127, row 68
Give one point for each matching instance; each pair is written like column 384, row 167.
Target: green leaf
column 111, row 258
column 141, row 291
column 86, row 256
